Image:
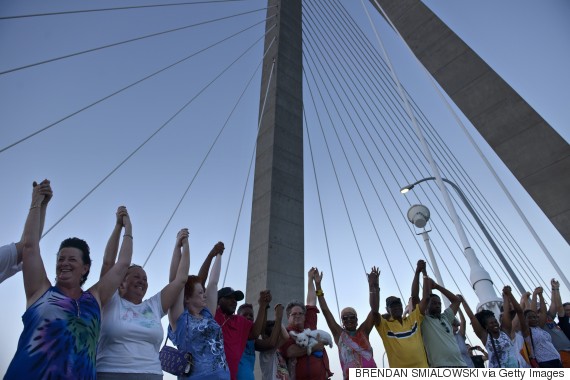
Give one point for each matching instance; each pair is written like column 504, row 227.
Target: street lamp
column 498, row 252
column 419, row 215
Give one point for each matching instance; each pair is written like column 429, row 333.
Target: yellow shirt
column 403, row 341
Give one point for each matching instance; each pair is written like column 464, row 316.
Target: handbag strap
column 531, row 341
column 166, row 340
column 495, row 348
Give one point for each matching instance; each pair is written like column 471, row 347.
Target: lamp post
column 498, row 252
column 419, row 215
column 478, row 276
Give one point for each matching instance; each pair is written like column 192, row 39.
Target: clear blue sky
column 524, row 41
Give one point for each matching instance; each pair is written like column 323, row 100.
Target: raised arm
column 212, row 288
column 112, row 247
column 335, row 328
column 425, row 294
column 170, row 294
column 311, row 295
column 420, row 268
column 556, row 307
column 46, row 190
column 506, row 321
column 533, row 300
column 374, row 300
column 35, row 277
column 274, row 340
column 519, row 321
column 108, row 284
column 264, row 300
column 462, row 324
column 479, row 330
column 542, row 309
column 453, row 299
column 203, row 272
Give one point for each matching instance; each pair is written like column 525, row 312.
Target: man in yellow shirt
column 402, row 336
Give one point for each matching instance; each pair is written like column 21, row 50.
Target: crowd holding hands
column 112, row 331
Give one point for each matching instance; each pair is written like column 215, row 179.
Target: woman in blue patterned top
column 192, row 325
column 61, row 322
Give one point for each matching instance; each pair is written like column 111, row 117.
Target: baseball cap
column 229, row 292
column 392, row 300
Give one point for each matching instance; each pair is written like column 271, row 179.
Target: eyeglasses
column 349, row 317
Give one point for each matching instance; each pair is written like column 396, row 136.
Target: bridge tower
column 276, row 244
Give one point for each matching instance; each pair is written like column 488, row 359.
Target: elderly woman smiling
column 352, row 340
column 303, row 366
column 61, row 322
column 131, row 331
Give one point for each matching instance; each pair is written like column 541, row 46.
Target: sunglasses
column 349, row 317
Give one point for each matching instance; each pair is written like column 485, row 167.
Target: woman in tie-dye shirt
column 61, row 322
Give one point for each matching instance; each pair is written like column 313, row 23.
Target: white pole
column 434, row 265
column 479, row 277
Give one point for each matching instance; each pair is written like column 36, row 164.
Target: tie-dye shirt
column 59, row 340
column 354, row 351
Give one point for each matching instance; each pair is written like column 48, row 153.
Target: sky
column 524, row 41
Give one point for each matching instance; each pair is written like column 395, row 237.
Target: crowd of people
column 111, row 331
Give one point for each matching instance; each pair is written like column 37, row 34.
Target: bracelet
column 555, row 289
column 320, row 293
column 37, row 206
column 127, row 235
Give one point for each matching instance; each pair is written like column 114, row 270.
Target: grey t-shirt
column 439, row 341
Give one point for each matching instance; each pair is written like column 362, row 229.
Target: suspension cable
column 117, row 9
column 127, row 41
column 251, row 161
column 320, row 201
column 209, row 150
column 153, row 135
column 132, row 85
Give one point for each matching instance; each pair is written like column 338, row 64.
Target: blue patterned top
column 59, row 340
column 502, row 349
column 202, row 337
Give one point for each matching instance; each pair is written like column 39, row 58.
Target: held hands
column 38, row 196
column 217, row 250
column 555, row 284
column 507, row 290
column 278, row 311
column 527, row 295
column 311, row 273
column 120, row 214
column 318, row 277
column 123, row 218
column 265, row 298
column 538, row 291
column 421, row 267
column 45, row 189
column 182, row 237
